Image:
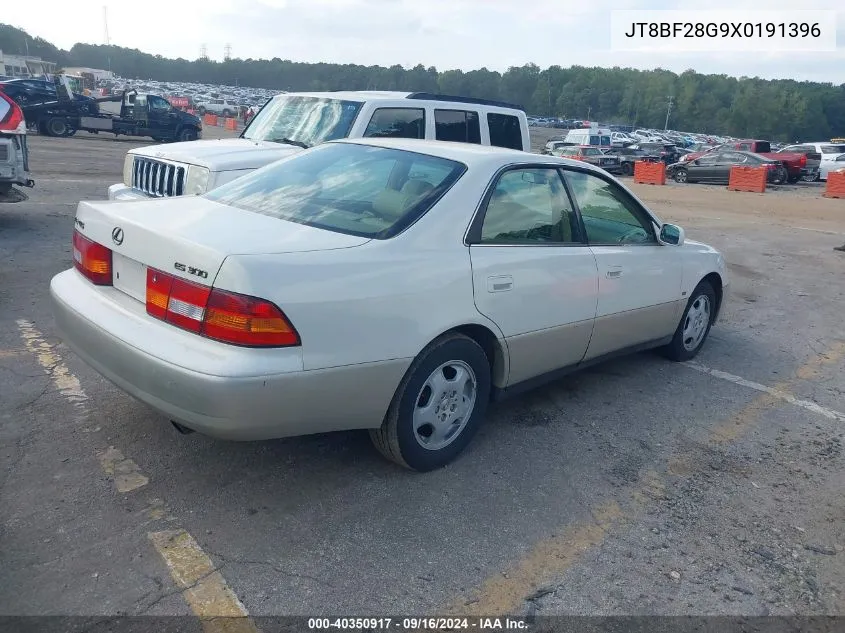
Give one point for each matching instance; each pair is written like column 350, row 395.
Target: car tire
column 680, row 175
column 793, row 179
column 405, row 436
column 187, row 134
column 627, row 169
column 57, row 127
column 780, row 178
column 695, row 324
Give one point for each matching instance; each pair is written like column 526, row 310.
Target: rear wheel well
column 715, row 280
column 491, row 346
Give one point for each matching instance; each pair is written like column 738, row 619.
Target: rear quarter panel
column 386, row 299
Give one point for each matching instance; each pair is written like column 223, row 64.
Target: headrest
column 417, row 188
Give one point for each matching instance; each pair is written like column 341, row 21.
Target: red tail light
column 92, row 260
column 803, row 161
column 11, row 115
column 218, row 314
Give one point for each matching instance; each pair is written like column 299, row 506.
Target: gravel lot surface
column 636, row 487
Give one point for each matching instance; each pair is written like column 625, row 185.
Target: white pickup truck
column 292, row 122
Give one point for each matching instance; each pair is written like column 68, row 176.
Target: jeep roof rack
column 430, row 96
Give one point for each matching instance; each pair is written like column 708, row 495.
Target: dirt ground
column 638, row 487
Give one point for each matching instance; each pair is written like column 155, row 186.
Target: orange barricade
column 210, row 119
column 649, row 173
column 752, row 179
column 231, row 124
column 835, row 184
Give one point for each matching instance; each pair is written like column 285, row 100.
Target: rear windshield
column 833, row 149
column 344, row 187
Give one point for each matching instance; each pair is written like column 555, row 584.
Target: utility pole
column 668, row 111
column 106, row 40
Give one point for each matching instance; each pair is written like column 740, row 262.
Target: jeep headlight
column 128, row 164
column 197, row 181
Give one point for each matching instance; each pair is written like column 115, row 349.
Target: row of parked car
column 704, row 162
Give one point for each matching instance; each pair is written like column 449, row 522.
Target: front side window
column 529, row 206
column 709, row 159
column 457, row 125
column 733, row 158
column 344, row 187
column 157, row 103
column 505, row 130
column 397, row 123
column 609, row 214
column 303, row 120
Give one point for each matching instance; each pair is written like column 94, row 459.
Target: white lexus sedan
column 393, row 285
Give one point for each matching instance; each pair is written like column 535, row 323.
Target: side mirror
column 671, row 235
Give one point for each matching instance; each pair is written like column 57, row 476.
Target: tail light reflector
column 92, row 260
column 218, row 314
column 175, row 300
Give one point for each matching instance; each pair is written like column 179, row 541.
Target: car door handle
column 499, row 283
column 614, row 273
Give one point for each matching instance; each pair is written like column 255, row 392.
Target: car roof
column 393, row 95
column 470, row 154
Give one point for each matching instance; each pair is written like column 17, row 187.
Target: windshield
column 348, row 188
column 303, row 120
column 833, row 149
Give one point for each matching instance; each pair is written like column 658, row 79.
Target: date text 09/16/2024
column 417, row 624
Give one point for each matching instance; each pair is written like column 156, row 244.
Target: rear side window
column 505, row 131
column 457, row 125
column 397, row 123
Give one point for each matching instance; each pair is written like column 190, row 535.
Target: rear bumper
column 127, row 194
column 13, row 168
column 220, row 390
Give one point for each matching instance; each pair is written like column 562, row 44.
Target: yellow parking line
column 204, row 588
column 67, row 384
column 124, row 472
column 503, row 593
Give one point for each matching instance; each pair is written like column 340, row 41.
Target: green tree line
column 783, row 110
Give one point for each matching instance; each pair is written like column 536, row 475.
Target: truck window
column 762, row 147
column 397, row 123
column 457, row 125
column 505, row 130
column 157, row 103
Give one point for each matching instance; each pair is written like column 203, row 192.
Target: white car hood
column 220, row 155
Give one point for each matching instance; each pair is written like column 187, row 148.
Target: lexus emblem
column 117, row 235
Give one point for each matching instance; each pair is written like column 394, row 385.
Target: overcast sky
column 463, row 34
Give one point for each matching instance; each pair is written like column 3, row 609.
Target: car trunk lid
column 191, row 238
